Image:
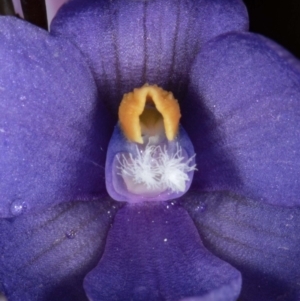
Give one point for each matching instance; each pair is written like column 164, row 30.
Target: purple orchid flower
column 234, row 234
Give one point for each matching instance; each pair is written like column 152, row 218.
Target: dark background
column 278, row 20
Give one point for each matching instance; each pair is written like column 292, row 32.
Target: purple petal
column 154, row 252
column 128, row 43
column 53, row 129
column 245, row 93
column 45, row 256
column 259, row 239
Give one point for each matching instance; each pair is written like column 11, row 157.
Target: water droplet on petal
column 71, row 234
column 200, row 208
column 18, row 207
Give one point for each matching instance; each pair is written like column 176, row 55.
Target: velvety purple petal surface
column 53, row 129
column 45, row 256
column 245, row 93
column 262, row 241
column 130, row 43
column 153, row 252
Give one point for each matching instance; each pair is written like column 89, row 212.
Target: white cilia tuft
column 157, row 169
column 142, row 170
column 174, row 169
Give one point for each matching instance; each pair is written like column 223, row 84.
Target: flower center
column 150, row 157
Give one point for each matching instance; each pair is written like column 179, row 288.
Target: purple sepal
column 115, row 184
column 153, row 252
column 261, row 240
column 245, row 93
column 129, row 43
column 46, row 255
column 54, row 130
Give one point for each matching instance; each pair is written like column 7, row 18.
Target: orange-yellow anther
column 148, row 105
